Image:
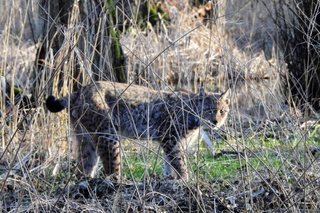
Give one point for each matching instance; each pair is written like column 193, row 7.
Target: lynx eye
column 221, row 111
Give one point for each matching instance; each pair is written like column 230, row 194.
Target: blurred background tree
column 88, row 27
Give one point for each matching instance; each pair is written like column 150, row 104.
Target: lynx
column 104, row 112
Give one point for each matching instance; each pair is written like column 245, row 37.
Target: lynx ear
column 226, row 96
column 201, row 92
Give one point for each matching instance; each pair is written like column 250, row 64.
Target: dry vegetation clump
column 187, row 52
column 160, row 195
column 266, row 158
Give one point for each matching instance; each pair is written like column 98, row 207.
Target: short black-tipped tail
column 54, row 105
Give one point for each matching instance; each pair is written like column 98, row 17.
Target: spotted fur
column 103, row 112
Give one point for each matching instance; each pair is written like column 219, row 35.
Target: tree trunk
column 80, row 39
column 300, row 38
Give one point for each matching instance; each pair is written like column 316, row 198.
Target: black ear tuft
column 54, row 105
column 201, row 92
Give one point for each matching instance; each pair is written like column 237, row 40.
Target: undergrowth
column 264, row 159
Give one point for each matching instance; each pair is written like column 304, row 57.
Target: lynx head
column 215, row 107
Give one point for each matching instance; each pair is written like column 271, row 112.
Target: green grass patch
column 140, row 163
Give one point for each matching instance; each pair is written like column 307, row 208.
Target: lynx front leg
column 109, row 151
column 174, row 157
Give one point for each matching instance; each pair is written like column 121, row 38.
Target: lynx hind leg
column 166, row 165
column 174, row 156
column 87, row 156
column 108, row 146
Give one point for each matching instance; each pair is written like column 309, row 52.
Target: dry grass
column 267, row 155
